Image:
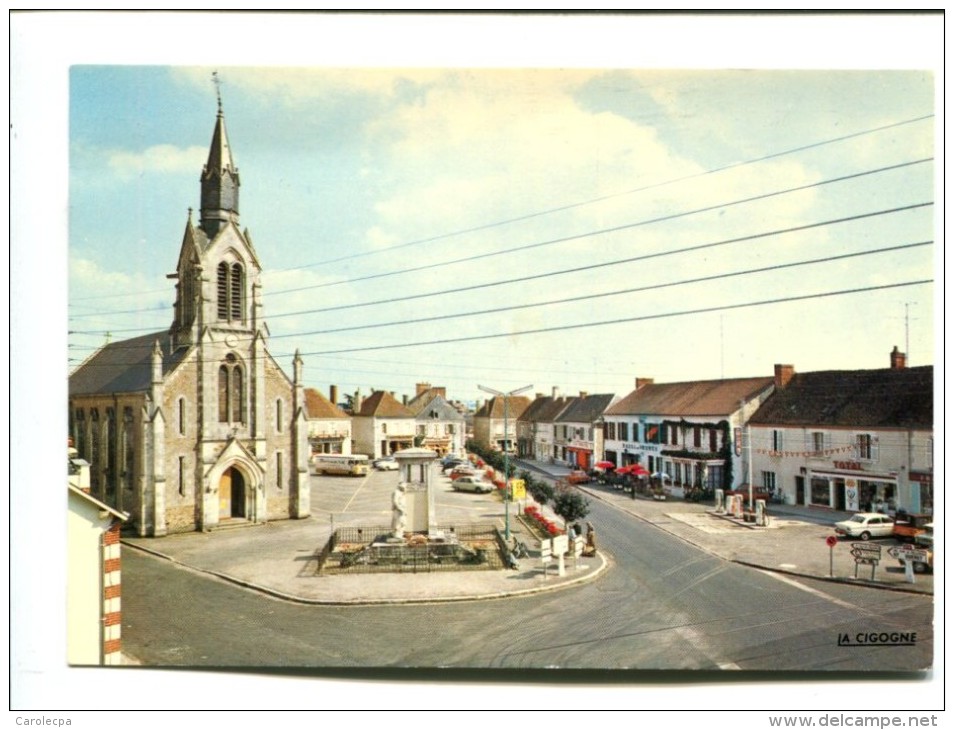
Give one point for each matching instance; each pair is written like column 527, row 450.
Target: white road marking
column 816, row 592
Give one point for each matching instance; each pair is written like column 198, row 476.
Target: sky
column 506, row 227
column 451, row 185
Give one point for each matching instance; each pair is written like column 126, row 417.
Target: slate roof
column 900, row 398
column 381, row 404
column 319, row 407
column 586, row 410
column 544, row 409
column 494, row 408
column 424, row 407
column 696, row 398
column 124, row 366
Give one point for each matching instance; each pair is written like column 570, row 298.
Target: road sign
column 561, row 543
column 518, row 489
column 907, row 552
column 831, row 541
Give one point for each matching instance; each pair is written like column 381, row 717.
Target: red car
column 578, row 476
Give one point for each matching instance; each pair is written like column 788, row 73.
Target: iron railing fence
column 355, row 549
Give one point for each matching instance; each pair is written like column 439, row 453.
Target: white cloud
column 162, row 158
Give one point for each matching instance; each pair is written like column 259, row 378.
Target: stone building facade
column 198, row 425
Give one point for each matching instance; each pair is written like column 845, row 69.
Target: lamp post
column 506, row 400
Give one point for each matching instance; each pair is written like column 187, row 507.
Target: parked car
column 578, row 476
column 385, row 463
column 866, row 525
column 474, row 483
column 908, row 526
column 462, row 471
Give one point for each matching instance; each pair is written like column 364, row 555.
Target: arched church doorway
column 231, row 494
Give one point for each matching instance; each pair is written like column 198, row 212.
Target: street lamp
column 506, row 400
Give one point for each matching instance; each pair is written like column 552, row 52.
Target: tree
column 569, row 504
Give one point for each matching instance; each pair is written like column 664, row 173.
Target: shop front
column 853, row 492
column 580, row 457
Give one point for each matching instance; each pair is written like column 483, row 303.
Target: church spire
column 220, row 178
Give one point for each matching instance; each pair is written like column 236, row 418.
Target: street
column 663, row 604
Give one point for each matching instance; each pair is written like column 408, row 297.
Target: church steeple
column 220, row 180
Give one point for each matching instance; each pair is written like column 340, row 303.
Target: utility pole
column 506, row 400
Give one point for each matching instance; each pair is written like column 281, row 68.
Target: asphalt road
column 663, row 605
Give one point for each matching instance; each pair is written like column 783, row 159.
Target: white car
column 866, row 525
column 469, row 483
column 385, row 463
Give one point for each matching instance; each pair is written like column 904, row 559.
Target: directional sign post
column 831, row 541
column 909, row 555
column 865, row 553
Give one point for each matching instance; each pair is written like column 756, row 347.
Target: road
column 664, row 604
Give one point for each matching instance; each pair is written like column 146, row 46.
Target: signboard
column 518, row 489
column 545, row 550
column 865, row 553
column 561, row 543
column 908, row 552
column 831, row 541
column 738, row 442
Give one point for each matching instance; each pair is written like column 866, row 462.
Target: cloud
column 163, row 158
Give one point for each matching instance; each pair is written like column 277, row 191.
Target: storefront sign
column 641, row 448
column 850, row 465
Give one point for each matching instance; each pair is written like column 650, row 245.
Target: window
column 817, row 442
column 673, row 435
column 181, row 476
column 278, row 415
column 127, row 447
column 776, row 440
column 713, row 440
column 866, row 447
column 714, row 476
column 768, row 481
column 182, row 426
column 231, row 391
column 624, row 431
column 279, row 458
column 230, row 289
column 697, row 436
column 611, row 431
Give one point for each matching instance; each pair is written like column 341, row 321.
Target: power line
column 599, row 232
column 571, row 206
column 586, row 297
column 616, row 262
column 563, row 328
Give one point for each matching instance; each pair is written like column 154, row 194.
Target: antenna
column 907, row 351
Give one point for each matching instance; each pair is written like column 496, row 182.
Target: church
column 198, row 427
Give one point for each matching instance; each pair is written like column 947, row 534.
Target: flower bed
column 538, row 520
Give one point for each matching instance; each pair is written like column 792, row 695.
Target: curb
column 590, row 575
column 829, row 579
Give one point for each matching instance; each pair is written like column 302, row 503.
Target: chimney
column 555, row 392
column 783, row 374
column 899, row 360
column 421, row 387
column 404, row 399
column 358, row 400
column 640, row 382
column 538, row 395
column 583, row 394
column 442, row 392
column 333, row 393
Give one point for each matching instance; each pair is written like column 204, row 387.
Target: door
column 799, row 490
column 225, row 495
column 231, row 494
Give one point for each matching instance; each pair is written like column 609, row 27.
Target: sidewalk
column 793, row 543
column 279, row 558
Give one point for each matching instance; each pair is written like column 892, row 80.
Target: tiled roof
column 124, row 366
column 381, row 404
column 696, row 398
column 586, row 409
column 494, row 408
column 436, row 408
column 854, row 398
column 319, row 407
